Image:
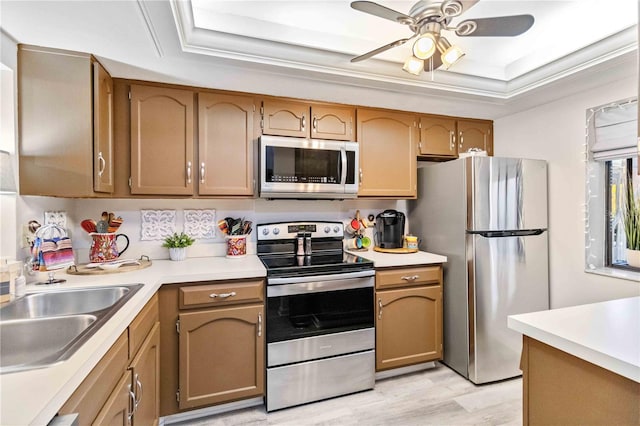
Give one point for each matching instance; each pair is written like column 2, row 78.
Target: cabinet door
column 475, row 134
column 102, row 129
column 437, row 137
column 225, row 144
column 145, row 369
column 388, row 163
column 117, row 410
column 221, row 355
column 332, row 122
column 282, row 118
column 161, row 141
column 408, row 326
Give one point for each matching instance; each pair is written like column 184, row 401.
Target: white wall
column 556, row 132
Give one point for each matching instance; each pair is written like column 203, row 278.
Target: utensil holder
column 236, row 246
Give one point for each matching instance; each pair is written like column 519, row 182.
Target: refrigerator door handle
column 501, row 234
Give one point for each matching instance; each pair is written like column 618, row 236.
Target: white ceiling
column 185, row 41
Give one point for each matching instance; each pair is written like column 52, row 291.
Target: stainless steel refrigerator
column 488, row 215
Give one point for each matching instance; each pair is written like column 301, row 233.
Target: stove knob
column 336, row 229
column 265, row 231
column 276, row 231
column 327, row 229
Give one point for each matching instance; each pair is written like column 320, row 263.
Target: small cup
column 355, row 243
column 366, row 242
column 353, row 226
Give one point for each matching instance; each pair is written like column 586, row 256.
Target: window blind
column 616, row 131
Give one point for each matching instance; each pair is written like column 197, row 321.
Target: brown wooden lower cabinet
column 561, row 389
column 123, row 388
column 408, row 317
column 212, row 347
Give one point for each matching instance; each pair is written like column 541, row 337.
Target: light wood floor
column 437, row 396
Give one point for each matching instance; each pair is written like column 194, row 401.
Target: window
column 611, row 161
column 618, row 171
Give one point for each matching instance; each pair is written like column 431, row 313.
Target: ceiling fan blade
column 501, row 26
column 382, row 12
column 380, row 50
column 432, row 63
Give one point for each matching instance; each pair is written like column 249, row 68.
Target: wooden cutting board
column 83, row 270
column 400, row 250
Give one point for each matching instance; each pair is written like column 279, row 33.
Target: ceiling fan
column 428, row 18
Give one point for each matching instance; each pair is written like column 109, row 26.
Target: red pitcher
column 104, row 247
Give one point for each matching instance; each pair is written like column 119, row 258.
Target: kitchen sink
column 43, row 329
column 63, row 302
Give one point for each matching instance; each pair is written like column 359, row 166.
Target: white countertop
column 34, row 397
column 387, row 260
column 606, row 334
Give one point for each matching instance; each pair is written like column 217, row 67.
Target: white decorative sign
column 200, row 223
column 157, row 224
column 55, row 218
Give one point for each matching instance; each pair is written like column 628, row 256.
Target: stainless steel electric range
column 320, row 314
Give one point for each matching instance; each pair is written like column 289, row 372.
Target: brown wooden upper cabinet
column 162, row 141
column 437, row 137
column 225, row 144
column 65, row 110
column 290, row 118
column 475, row 134
column 388, row 163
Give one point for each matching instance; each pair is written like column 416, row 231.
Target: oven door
column 304, row 168
column 319, row 305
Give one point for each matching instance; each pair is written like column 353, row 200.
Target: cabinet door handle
column 202, row 172
column 314, row 124
column 303, row 121
column 103, row 164
column 379, row 309
column 133, row 404
column 461, row 141
column 259, row 324
column 138, row 386
column 222, row 295
column 452, row 140
column 188, row 172
column 360, row 173
column 410, row 278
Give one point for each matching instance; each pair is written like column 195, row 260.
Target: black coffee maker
column 389, row 229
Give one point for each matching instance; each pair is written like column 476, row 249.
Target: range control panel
column 290, row 230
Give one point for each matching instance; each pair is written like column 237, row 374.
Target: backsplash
column 197, row 212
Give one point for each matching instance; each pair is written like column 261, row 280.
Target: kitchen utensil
column 89, row 225
column 246, row 227
column 102, row 227
column 104, row 247
column 223, row 226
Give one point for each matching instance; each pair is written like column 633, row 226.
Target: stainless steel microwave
column 308, row 168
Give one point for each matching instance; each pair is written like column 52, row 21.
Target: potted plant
column 177, row 245
column 631, row 220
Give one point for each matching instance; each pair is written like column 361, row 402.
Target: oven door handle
column 319, row 284
column 328, row 277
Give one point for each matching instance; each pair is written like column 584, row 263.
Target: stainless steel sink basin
column 40, row 341
column 43, row 329
column 63, row 302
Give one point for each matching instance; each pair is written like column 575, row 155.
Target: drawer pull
column 222, row 295
column 411, row 278
column 379, row 309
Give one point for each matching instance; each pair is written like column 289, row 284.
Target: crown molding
column 316, row 63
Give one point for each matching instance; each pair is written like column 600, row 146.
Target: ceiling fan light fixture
column 424, row 46
column 450, row 54
column 413, row 65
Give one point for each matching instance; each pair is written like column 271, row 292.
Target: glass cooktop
column 317, row 264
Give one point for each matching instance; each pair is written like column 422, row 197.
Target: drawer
column 222, row 294
column 403, row 277
column 142, row 325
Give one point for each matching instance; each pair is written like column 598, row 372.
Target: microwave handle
column 343, row 160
